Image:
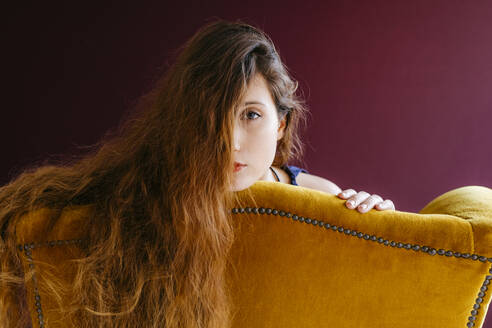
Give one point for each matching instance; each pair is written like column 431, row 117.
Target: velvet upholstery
column 302, row 259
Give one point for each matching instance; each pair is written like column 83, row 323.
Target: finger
column 386, row 205
column 355, row 200
column 382, row 206
column 391, row 206
column 347, row 193
column 369, row 203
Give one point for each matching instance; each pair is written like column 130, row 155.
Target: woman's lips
column 238, row 166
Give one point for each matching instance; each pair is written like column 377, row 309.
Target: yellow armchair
column 302, row 259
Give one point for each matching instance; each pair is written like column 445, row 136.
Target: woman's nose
column 236, row 140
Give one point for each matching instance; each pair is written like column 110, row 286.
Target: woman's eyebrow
column 253, row 103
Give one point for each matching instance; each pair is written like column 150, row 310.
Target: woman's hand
column 364, row 201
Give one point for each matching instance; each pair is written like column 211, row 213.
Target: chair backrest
column 302, row 259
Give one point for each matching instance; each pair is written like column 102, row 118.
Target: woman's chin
column 241, row 185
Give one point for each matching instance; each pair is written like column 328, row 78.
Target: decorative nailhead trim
column 27, row 251
column 426, row 249
column 37, row 298
column 50, row 243
column 479, row 300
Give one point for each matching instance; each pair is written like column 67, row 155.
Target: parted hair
column 159, row 239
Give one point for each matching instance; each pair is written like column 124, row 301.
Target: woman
column 258, row 130
column 222, row 117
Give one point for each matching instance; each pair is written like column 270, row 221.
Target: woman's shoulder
column 307, row 180
column 318, row 183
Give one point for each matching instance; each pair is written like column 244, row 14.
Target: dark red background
column 399, row 91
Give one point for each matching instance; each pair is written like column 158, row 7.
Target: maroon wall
column 399, row 91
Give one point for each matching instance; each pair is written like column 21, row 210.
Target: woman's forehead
column 258, row 93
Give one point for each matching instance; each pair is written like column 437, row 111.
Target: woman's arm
column 318, row 183
column 361, row 200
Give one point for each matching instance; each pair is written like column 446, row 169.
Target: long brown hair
column 160, row 184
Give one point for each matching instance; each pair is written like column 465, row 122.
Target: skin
column 256, row 133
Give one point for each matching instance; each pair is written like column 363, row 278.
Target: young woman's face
column 256, row 132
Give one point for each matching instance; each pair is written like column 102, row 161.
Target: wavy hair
column 159, row 184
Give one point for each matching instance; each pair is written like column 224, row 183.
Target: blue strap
column 293, row 172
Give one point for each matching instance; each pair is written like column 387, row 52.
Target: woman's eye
column 250, row 115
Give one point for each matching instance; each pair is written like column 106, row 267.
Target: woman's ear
column 281, row 128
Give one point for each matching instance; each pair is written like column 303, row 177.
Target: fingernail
column 363, row 206
column 350, row 203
